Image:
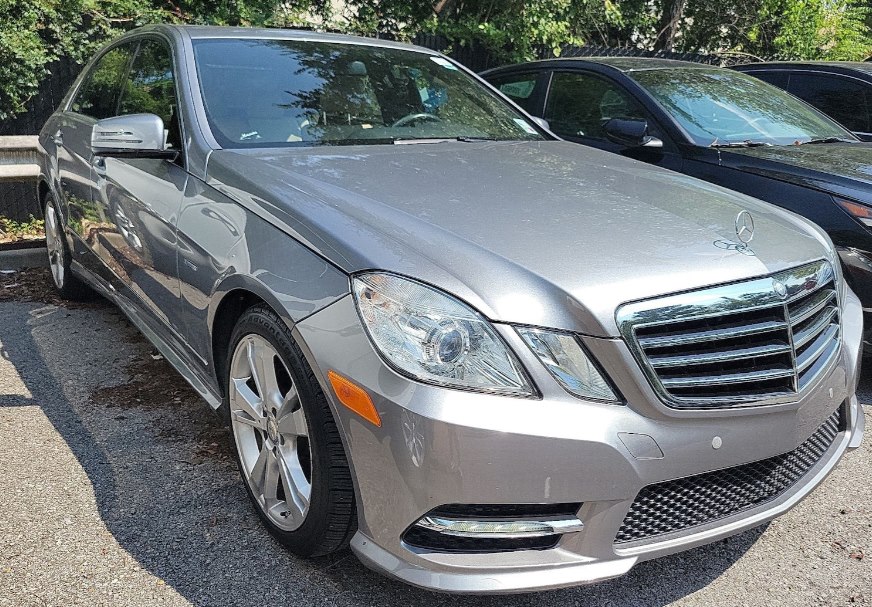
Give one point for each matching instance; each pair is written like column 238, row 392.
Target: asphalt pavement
column 117, row 488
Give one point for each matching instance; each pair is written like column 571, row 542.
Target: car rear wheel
column 286, row 442
column 67, row 285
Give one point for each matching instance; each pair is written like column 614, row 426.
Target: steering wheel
column 407, row 120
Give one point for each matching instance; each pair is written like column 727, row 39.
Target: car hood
column 541, row 233
column 841, row 168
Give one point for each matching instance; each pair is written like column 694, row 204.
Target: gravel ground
column 117, row 488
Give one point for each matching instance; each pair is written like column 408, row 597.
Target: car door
column 842, row 98
column 578, row 104
column 140, row 197
column 97, row 98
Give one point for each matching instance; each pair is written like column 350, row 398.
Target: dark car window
column 297, row 92
column 716, row 106
column 579, row 104
column 778, row 78
column 98, row 96
column 150, row 88
column 519, row 88
column 843, row 99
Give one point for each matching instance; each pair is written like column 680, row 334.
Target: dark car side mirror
column 630, row 132
column 131, row 136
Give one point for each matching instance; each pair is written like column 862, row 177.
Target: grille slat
column 704, row 358
column 800, row 338
column 724, row 380
column 820, row 345
column 707, row 336
column 809, row 306
column 745, row 343
column 682, row 504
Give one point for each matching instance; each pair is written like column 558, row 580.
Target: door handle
column 58, row 138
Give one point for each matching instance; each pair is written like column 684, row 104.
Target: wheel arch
column 234, row 295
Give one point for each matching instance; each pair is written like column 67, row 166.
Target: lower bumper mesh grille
column 696, row 500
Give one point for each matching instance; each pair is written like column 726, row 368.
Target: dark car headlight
column 857, row 210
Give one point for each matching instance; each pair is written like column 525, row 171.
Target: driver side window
column 579, row 104
column 150, row 88
column 98, row 95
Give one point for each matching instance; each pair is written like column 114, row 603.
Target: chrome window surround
column 735, row 298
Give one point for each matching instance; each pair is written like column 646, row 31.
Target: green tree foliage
column 789, row 29
column 34, row 33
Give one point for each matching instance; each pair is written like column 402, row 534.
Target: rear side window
column 150, row 88
column 778, row 79
column 98, row 96
column 519, row 88
column 843, row 99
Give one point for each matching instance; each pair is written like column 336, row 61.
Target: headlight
column 434, row 338
column 860, row 212
column 563, row 357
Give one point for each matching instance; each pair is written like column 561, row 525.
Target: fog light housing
column 499, row 529
column 493, row 528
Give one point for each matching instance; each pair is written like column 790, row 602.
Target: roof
column 635, row 64
column 858, row 66
column 199, row 32
column 622, row 64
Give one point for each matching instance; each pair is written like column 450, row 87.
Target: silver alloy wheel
column 54, row 244
column 271, row 433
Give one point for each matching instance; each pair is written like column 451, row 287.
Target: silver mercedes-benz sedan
column 490, row 360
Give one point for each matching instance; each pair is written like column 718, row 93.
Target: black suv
column 840, row 89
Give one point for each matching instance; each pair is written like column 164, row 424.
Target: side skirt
column 177, row 360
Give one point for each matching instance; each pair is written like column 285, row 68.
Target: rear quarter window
column 843, row 99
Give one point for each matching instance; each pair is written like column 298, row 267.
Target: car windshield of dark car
column 267, row 93
column 718, row 106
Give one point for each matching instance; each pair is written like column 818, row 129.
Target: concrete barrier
column 18, row 158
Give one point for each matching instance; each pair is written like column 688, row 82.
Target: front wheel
column 286, row 442
column 67, row 285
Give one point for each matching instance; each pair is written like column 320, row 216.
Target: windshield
column 719, row 106
column 266, row 93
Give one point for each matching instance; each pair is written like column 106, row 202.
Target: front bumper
column 438, row 447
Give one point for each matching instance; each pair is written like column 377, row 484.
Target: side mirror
column 131, row 136
column 631, row 133
column 541, row 122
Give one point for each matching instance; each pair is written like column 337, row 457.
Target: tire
column 289, row 453
column 68, row 286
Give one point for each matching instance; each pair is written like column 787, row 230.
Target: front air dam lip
column 511, row 581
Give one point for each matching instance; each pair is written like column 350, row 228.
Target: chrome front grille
column 735, row 344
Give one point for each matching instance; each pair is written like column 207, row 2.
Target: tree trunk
column 669, row 19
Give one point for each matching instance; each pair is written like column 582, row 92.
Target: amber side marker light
column 861, row 212
column 354, row 397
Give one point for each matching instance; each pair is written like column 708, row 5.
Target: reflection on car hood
column 542, row 233
column 844, row 168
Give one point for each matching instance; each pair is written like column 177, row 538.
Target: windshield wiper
column 463, row 138
column 739, row 144
column 826, row 140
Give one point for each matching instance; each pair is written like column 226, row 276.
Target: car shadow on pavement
column 167, row 489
